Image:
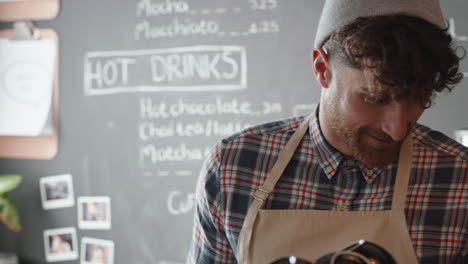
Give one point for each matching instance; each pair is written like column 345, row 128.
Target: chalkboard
column 147, row 87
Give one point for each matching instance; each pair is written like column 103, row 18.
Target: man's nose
column 395, row 122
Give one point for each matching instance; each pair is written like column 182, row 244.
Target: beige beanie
column 338, row 13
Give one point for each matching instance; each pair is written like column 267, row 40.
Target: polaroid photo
column 57, row 191
column 96, row 251
column 462, row 136
column 60, row 244
column 94, row 212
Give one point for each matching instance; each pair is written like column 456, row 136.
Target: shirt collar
column 330, row 159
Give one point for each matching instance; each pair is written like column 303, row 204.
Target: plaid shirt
column 321, row 178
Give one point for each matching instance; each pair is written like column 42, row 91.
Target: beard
column 361, row 141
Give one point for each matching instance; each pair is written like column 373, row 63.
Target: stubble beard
column 354, row 137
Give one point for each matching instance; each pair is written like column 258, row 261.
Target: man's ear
column 322, row 67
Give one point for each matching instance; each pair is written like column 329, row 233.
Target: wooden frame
column 29, row 10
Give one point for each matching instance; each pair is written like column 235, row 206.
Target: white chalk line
column 183, row 173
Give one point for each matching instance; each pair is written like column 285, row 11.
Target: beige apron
column 268, row 235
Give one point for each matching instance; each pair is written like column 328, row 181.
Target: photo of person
column 60, row 244
column 57, row 191
column 97, row 251
column 94, row 212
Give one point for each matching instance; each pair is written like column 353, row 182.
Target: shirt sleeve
column 209, row 242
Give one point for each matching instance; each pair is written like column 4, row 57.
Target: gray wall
column 250, row 63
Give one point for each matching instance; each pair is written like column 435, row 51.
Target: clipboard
column 42, row 146
column 29, row 10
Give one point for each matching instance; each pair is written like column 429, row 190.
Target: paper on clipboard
column 26, row 86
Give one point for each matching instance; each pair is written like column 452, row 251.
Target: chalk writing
column 172, row 67
column 151, row 130
column 178, row 204
column 150, row 109
column 151, row 8
column 205, row 24
column 161, row 109
column 161, row 173
column 264, row 27
column 109, row 72
column 263, row 4
column 183, row 173
column 151, row 153
column 161, row 119
column 196, row 68
column 177, row 28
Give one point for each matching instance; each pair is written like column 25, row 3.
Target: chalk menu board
column 146, row 89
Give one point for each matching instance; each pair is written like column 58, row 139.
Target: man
column 360, row 167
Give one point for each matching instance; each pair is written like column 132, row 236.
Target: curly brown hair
column 409, row 57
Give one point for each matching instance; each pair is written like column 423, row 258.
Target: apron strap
column 263, row 192
column 283, row 160
column 403, row 173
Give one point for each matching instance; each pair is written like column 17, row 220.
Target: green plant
column 8, row 210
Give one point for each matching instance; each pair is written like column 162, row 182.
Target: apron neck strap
column 284, row 157
column 403, row 173
column 243, row 246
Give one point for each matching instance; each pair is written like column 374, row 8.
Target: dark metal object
column 361, row 252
